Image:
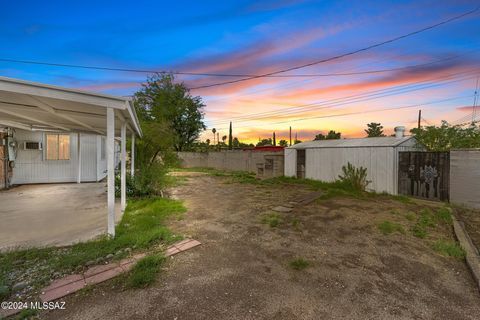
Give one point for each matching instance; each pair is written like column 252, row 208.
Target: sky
column 435, row 71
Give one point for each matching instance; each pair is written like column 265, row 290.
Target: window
column 58, row 147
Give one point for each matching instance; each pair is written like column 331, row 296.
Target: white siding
column 31, row 166
column 326, row 164
column 290, row 162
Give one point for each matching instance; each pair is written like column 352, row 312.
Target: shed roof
column 353, row 143
column 37, row 106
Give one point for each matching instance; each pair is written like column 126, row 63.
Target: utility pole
column 230, row 138
column 290, row 135
column 274, row 139
column 419, row 118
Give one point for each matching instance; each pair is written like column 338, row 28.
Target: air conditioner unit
column 32, row 145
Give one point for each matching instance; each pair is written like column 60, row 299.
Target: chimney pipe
column 399, row 132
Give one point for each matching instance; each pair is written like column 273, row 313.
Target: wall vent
column 32, row 145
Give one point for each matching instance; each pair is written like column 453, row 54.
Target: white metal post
column 132, row 156
column 79, row 159
column 123, row 166
column 111, row 170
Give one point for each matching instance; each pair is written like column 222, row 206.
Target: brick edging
column 472, row 256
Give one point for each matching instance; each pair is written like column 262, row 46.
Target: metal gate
column 424, row 174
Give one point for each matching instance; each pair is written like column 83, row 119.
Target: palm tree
column 214, row 131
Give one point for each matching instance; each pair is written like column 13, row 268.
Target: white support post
column 132, row 156
column 111, row 170
column 79, row 159
column 123, row 166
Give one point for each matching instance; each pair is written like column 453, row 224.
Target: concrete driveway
column 53, row 214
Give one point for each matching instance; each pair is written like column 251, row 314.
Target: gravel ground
column 242, row 269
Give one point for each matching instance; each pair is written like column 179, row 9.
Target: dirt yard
column 243, row 269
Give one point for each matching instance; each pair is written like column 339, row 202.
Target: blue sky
column 255, row 37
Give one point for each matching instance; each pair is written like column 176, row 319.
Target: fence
column 234, row 160
column 465, row 177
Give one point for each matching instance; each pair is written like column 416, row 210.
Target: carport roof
column 37, row 106
column 353, row 143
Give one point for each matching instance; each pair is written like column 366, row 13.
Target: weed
column 296, row 223
column 401, row 198
column 449, row 248
column 272, row 219
column 419, row 231
column 426, row 218
column 27, row 314
column 388, row 227
column 145, row 271
column 444, row 215
column 299, row 264
column 411, row 216
column 395, row 211
column 355, row 177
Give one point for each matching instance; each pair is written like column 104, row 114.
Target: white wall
column 31, row 166
column 326, row 164
column 235, row 160
column 290, row 162
column 465, row 177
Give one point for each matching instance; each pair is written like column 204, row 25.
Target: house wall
column 31, row 166
column 234, row 160
column 465, row 177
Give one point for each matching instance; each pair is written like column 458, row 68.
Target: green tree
column 374, row 130
column 331, row 135
column 230, row 141
column 224, row 138
column 446, row 137
column 274, row 139
column 283, row 143
column 164, row 102
column 264, row 142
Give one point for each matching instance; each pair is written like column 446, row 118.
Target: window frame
column 59, row 150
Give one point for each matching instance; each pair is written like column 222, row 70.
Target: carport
column 39, row 107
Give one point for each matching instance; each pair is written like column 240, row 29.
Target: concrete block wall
column 465, row 177
column 233, row 160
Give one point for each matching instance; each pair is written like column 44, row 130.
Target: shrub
column 148, row 181
column 355, row 177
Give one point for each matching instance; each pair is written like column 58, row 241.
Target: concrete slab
column 53, row 214
column 282, row 209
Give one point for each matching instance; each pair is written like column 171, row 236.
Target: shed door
column 424, row 174
column 300, row 163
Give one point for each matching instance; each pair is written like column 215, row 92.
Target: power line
column 223, row 74
column 344, row 54
column 375, row 94
column 290, row 84
column 364, row 112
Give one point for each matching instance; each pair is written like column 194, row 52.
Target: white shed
column 323, row 160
